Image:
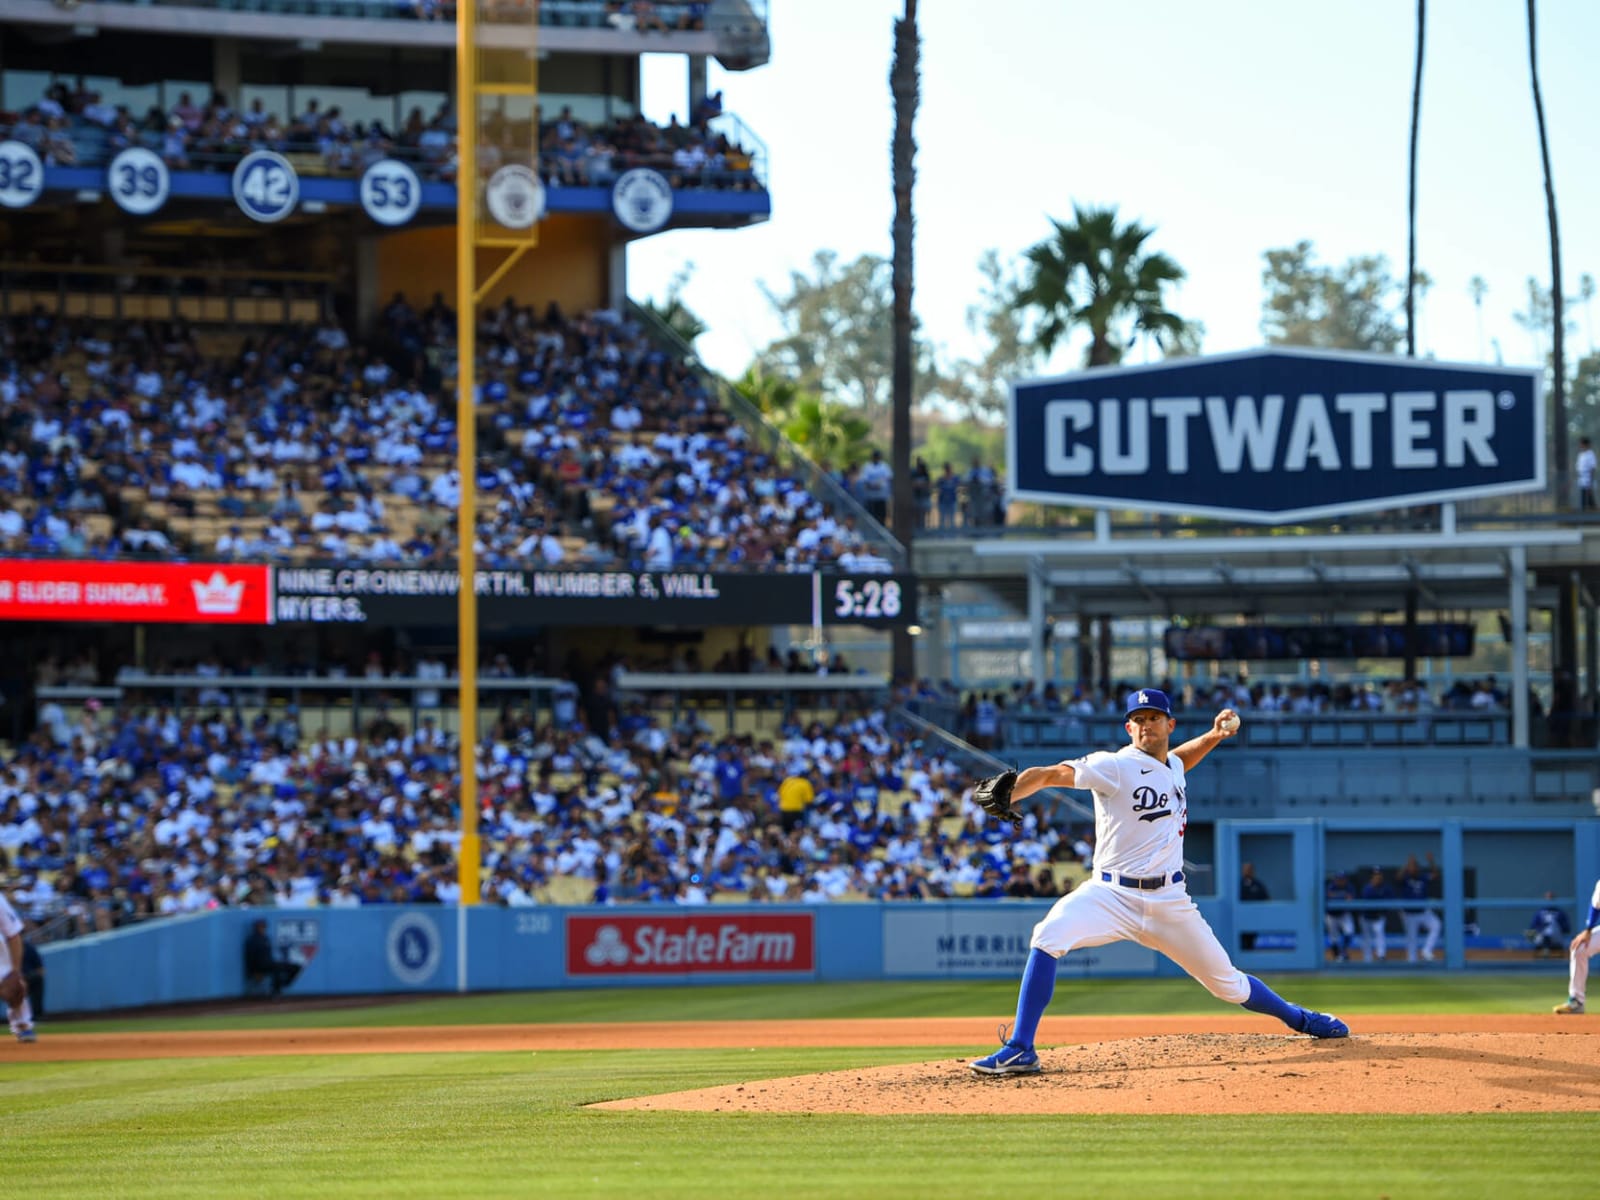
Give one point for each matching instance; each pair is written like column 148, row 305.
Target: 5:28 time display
column 869, row 599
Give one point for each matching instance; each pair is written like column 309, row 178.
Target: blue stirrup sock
column 1038, row 985
column 1263, row 999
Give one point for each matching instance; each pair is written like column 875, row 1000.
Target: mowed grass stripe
column 515, row 1125
column 1347, row 993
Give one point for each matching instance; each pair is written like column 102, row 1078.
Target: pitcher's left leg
column 1177, row 929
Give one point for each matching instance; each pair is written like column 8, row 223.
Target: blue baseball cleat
column 27, row 1035
column 1323, row 1025
column 1010, row 1059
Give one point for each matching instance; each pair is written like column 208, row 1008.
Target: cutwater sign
column 1279, row 434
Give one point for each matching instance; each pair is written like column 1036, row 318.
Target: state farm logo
column 660, row 945
column 216, row 597
column 607, row 948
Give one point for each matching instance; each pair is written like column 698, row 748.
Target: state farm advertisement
column 705, row 943
column 187, row 593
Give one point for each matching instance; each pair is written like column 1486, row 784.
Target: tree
column 1345, row 308
column 1411, row 201
column 1538, row 318
column 1558, row 341
column 673, row 312
column 774, row 395
column 977, row 388
column 1096, row 275
column 829, row 432
column 1584, row 410
column 1586, row 294
column 1478, row 288
column 905, row 85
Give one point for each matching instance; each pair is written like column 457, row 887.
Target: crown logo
column 217, row 597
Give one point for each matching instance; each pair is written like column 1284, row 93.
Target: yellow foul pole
column 469, row 857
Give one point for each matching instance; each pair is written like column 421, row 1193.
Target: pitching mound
column 1206, row 1073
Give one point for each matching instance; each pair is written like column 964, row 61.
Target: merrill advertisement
column 706, row 943
column 953, row 941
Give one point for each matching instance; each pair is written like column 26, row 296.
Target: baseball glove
column 13, row 989
column 993, row 795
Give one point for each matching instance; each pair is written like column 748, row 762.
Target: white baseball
column 1228, row 724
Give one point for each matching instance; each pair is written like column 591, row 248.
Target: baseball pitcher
column 13, row 988
column 1584, row 947
column 1136, row 890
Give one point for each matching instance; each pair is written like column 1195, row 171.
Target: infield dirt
column 1221, row 1064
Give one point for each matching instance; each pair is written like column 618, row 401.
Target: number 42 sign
column 265, row 186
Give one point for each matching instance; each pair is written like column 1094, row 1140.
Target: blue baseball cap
column 1149, row 698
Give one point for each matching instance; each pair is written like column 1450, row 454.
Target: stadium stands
column 303, row 444
column 77, row 127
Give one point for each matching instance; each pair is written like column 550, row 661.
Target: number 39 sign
column 21, row 175
column 265, row 186
column 139, row 181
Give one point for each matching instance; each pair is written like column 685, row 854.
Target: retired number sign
column 265, row 186
column 390, row 192
column 21, row 175
column 139, row 181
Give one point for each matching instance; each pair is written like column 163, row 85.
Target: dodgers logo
column 1150, row 804
column 414, row 948
column 642, row 199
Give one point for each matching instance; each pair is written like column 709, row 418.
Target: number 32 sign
column 21, row 175
column 265, row 186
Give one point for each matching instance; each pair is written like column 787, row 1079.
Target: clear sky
column 1232, row 126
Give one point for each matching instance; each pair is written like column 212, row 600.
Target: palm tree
column 1478, row 288
column 1411, row 202
column 1558, row 364
column 1586, row 294
column 829, row 432
column 905, row 85
column 1096, row 274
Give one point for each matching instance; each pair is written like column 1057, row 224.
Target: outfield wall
column 1493, row 876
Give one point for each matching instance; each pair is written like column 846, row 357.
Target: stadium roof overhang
column 1262, row 574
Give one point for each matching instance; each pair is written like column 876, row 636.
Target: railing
column 771, row 699
column 553, row 13
column 1277, row 731
column 770, row 439
column 196, row 294
column 93, row 148
column 741, row 135
column 339, row 703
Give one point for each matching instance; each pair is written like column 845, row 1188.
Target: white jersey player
column 1584, row 947
column 1136, row 891
column 21, row 1015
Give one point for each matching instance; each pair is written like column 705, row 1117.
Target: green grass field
column 513, row 1124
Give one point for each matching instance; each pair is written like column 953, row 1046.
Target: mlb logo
column 297, row 939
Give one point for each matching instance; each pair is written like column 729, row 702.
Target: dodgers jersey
column 10, row 926
column 1139, row 810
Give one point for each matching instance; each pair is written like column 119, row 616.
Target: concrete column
column 697, row 85
column 1038, row 668
column 1519, row 646
column 617, row 280
column 225, row 70
column 368, row 302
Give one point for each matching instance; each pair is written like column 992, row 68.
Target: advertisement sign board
column 1277, row 435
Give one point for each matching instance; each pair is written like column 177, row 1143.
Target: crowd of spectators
column 130, row 812
column 597, row 447
column 72, row 126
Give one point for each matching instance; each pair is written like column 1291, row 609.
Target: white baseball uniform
column 1136, row 891
column 21, row 1017
column 1580, row 955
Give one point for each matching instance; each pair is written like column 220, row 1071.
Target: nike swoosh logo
column 1146, row 770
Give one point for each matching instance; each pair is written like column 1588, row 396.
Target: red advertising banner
column 86, row 590
column 706, row 942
